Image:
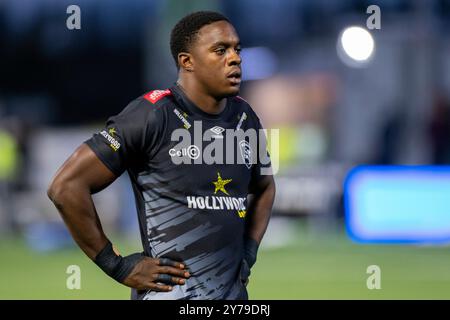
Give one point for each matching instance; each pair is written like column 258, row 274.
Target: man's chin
column 228, row 92
column 233, row 91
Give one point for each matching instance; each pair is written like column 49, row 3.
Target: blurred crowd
column 58, row 86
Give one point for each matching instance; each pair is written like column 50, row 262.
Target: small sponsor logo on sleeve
column 182, row 117
column 113, row 143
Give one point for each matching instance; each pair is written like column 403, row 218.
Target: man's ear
column 185, row 61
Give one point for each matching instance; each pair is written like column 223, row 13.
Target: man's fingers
column 159, row 287
column 165, row 278
column 178, row 280
column 174, row 272
column 170, row 263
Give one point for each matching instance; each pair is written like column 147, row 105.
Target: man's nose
column 234, row 59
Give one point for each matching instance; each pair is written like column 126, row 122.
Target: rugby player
column 200, row 223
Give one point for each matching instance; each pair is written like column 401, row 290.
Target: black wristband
column 250, row 251
column 116, row 266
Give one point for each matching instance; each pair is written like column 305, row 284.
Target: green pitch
column 308, row 267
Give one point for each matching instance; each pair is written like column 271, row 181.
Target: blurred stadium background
column 337, row 103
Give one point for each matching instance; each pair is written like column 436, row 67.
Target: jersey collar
column 182, row 99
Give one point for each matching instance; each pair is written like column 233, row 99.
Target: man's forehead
column 217, row 32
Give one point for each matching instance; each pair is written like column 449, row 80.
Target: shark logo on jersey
column 246, row 153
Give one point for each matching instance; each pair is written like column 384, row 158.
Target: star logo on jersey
column 236, row 204
column 112, row 131
column 220, row 184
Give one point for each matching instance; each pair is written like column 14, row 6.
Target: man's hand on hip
column 156, row 274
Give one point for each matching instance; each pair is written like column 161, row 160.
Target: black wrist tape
column 116, row 266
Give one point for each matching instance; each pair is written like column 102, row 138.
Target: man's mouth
column 235, row 77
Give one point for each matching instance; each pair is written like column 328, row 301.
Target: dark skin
column 208, row 73
column 203, row 72
column 82, row 175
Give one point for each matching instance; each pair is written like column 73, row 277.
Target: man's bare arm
column 80, row 176
column 260, row 208
column 259, row 212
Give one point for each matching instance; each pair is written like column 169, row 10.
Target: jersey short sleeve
column 129, row 138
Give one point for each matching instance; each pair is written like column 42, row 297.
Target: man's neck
column 205, row 102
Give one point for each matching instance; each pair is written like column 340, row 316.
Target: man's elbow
column 57, row 190
column 54, row 190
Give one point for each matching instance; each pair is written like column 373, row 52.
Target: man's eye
column 238, row 50
column 220, row 51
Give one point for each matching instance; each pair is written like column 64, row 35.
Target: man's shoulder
column 149, row 102
column 157, row 97
column 146, row 108
column 154, row 99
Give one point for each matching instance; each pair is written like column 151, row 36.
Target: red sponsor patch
column 155, row 95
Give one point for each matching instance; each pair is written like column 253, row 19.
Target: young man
column 201, row 222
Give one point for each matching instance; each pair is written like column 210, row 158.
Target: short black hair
column 185, row 31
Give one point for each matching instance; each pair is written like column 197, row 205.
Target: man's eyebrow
column 224, row 43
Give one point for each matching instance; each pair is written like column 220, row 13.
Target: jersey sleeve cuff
column 103, row 159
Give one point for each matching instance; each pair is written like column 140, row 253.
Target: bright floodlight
column 355, row 45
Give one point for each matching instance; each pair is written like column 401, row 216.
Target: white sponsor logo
column 114, row 144
column 186, row 123
column 225, row 151
column 217, row 129
column 216, row 203
column 192, row 152
column 246, row 153
column 155, row 95
column 218, row 132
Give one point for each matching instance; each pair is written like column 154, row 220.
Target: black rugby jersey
column 192, row 206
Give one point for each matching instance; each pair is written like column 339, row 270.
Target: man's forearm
column 260, row 209
column 77, row 209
